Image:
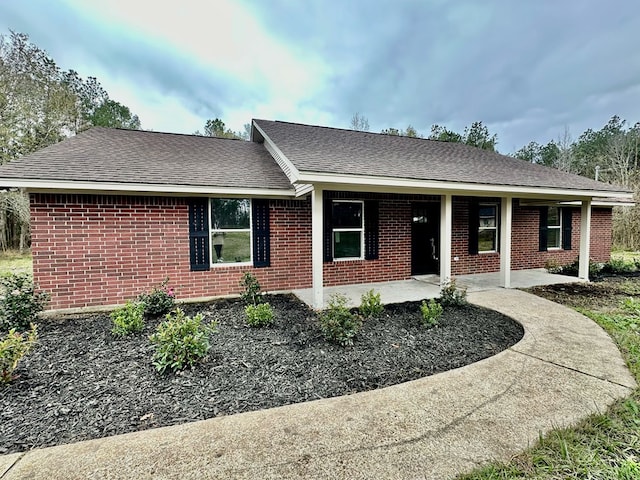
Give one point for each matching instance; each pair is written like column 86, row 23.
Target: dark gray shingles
column 132, row 156
column 331, row 150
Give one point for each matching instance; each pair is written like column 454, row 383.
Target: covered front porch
column 428, row 286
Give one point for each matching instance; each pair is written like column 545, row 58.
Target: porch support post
column 316, row 247
column 506, row 213
column 585, row 240
column 446, row 210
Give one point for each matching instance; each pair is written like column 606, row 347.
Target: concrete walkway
column 564, row 368
column 428, row 286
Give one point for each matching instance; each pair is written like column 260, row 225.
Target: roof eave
column 67, row 186
column 405, row 185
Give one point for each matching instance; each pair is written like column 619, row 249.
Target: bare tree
column 359, row 122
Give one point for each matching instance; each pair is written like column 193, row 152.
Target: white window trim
column 480, row 228
column 230, row 230
column 361, row 230
column 555, row 227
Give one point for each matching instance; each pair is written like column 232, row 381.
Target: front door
column 425, row 238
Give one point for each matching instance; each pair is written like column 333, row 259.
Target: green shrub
column 19, row 302
column 259, row 315
column 573, row 268
column 13, row 347
column 370, row 304
column 181, row 341
column 619, row 265
column 250, row 289
column 128, row 319
column 451, row 295
column 337, row 323
column 161, row 300
column 431, row 312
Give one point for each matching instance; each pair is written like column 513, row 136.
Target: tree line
column 40, row 104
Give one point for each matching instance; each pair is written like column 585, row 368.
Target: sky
column 528, row 69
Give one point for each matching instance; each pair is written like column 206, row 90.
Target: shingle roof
column 336, row 151
column 132, row 156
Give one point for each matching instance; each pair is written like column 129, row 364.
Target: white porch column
column 506, row 213
column 585, row 240
column 446, row 214
column 316, row 247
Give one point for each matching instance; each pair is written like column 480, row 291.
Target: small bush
column 13, row 347
column 250, row 289
column 572, row 269
column 181, row 341
column 20, row 304
column 451, row 295
column 619, row 265
column 337, row 323
column 259, row 315
column 370, row 304
column 553, row 266
column 161, row 300
column 128, row 319
column 431, row 312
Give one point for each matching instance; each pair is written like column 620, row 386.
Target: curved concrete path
column 565, row 368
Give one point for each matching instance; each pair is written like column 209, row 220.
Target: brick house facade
column 114, row 212
column 93, row 250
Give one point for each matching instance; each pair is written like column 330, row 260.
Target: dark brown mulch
column 81, row 383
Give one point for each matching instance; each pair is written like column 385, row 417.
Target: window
column 347, row 229
column 554, row 228
column 487, row 227
column 230, row 230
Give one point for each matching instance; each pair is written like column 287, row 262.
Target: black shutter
column 542, row 234
column 567, row 216
column 327, row 234
column 474, row 225
column 199, row 233
column 260, row 227
column 371, row 230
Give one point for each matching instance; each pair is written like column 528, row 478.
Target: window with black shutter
column 555, row 228
column 199, row 233
column 350, row 229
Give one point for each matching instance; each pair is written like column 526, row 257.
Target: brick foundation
column 102, row 249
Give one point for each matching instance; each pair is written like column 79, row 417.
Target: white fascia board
column 404, row 185
column 576, row 203
column 65, row 186
column 290, row 170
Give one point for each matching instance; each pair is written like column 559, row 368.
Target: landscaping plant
column 19, row 302
column 161, row 300
column 337, row 323
column 128, row 319
column 251, row 293
column 431, row 312
column 13, row 347
column 181, row 341
column 370, row 304
column 451, row 295
column 260, row 315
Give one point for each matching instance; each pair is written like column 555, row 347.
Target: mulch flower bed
column 80, row 382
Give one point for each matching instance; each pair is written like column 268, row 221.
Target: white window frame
column 495, row 227
column 555, row 227
column 230, row 230
column 350, row 229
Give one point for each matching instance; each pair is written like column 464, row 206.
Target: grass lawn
column 605, row 446
column 15, row 262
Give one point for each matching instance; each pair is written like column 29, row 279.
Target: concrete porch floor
column 428, row 286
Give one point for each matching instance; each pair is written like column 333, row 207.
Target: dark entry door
column 425, row 238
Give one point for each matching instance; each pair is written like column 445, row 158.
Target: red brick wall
column 524, row 240
column 102, row 250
